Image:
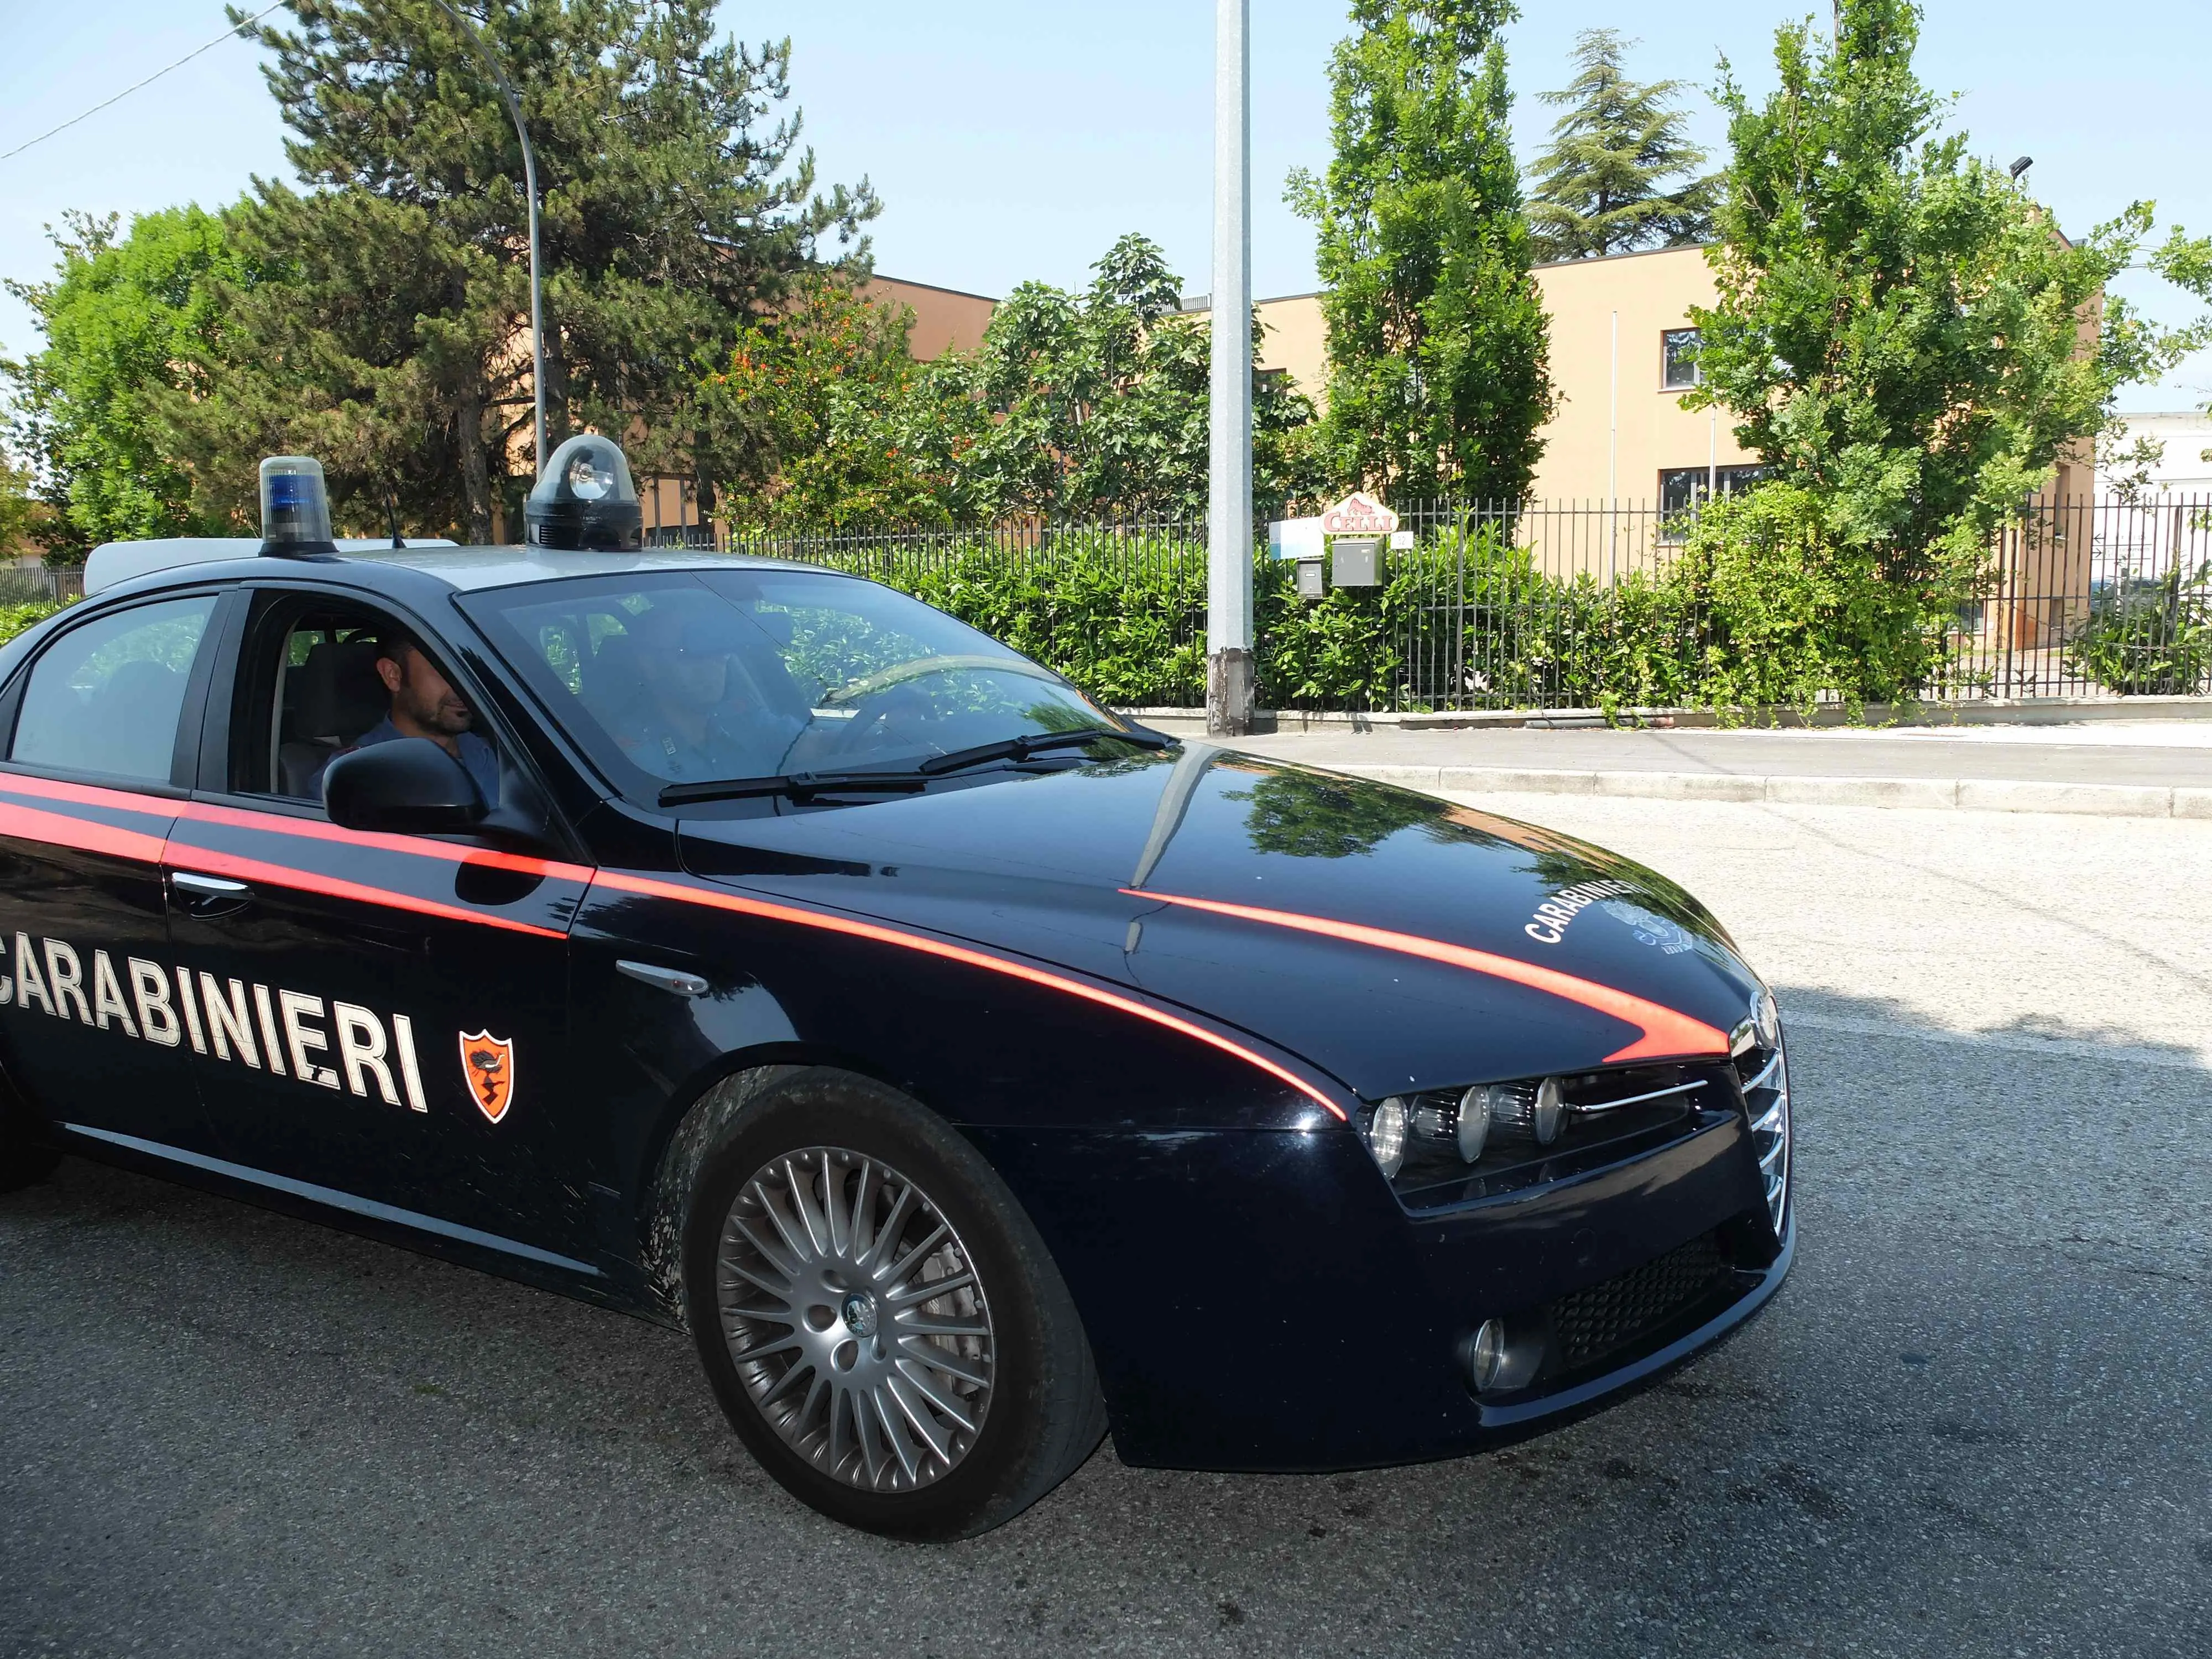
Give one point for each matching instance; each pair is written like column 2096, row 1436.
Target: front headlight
column 1385, row 1129
column 1443, row 1145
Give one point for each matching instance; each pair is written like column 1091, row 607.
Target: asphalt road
column 1974, row 1422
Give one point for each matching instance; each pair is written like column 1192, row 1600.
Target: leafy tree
column 1601, row 185
column 1901, row 332
column 20, row 510
column 1074, row 406
column 1313, row 815
column 1104, row 398
column 1436, row 339
column 132, row 322
column 833, row 421
column 396, row 342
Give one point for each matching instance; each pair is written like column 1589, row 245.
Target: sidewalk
column 2147, row 769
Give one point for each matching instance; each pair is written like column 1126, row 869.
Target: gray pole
column 530, row 187
column 1229, row 516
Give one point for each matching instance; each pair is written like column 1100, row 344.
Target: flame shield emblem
column 488, row 1067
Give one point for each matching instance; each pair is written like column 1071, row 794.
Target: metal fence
column 1541, row 606
column 2091, row 596
column 32, row 584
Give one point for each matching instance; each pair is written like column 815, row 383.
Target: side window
column 322, row 683
column 105, row 698
column 325, row 695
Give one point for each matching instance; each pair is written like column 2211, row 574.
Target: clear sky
column 1010, row 139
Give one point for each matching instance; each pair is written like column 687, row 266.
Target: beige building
column 944, row 318
column 1622, row 355
column 1620, row 360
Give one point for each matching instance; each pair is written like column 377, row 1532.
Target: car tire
column 819, row 1229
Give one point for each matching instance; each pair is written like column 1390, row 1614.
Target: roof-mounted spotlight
column 586, row 500
column 295, row 506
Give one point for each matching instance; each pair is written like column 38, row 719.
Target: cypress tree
column 1601, row 185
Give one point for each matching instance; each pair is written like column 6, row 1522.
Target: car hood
column 1397, row 941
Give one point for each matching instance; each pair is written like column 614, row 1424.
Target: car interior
column 318, row 694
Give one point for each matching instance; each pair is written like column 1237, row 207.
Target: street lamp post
column 1229, row 665
column 530, row 187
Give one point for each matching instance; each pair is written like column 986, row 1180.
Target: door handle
column 674, row 979
column 190, row 885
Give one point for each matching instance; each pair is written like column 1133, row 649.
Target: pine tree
column 392, row 336
column 1601, row 185
column 1436, row 339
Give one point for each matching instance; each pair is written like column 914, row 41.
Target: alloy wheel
column 855, row 1318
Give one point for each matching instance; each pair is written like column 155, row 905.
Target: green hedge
column 15, row 618
column 1755, row 605
column 2148, row 638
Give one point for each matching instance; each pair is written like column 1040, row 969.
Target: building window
column 1268, row 382
column 1678, row 359
column 1682, row 488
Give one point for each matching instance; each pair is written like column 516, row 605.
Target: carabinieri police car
column 971, row 1071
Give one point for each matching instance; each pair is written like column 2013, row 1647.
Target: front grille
column 1764, row 1075
column 1592, row 1322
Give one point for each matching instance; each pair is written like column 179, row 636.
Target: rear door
column 95, row 1020
column 387, row 1014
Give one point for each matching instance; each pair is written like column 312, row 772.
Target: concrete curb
column 1996, row 711
column 2126, row 800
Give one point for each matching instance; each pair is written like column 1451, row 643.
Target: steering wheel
column 880, row 699
column 869, row 685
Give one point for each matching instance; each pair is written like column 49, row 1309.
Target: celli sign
column 1358, row 515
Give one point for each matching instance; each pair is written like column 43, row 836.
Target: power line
column 148, row 82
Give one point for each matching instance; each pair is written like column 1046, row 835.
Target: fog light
column 1385, row 1135
column 1485, row 1355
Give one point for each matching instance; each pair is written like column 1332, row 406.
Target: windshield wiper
column 902, row 779
column 1036, row 742
column 796, row 784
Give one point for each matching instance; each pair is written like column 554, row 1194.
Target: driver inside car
column 699, row 714
column 424, row 704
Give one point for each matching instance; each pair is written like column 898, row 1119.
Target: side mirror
column 409, row 786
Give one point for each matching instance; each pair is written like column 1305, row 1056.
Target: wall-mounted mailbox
column 1309, row 579
column 1355, row 561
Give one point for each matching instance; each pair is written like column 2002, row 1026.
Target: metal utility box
column 1356, row 560
column 1309, row 579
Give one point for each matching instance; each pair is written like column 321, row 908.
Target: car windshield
column 695, row 678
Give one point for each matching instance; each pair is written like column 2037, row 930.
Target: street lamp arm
column 530, row 189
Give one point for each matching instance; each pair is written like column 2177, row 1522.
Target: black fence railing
column 35, row 583
column 1539, row 606
column 2091, row 596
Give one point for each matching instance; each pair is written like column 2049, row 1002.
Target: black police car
column 751, row 948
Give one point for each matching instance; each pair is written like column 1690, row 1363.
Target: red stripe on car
column 86, row 835
column 280, row 824
column 307, row 881
column 73, row 831
column 1667, row 1034
column 855, row 928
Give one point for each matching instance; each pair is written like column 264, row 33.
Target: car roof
column 466, row 569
